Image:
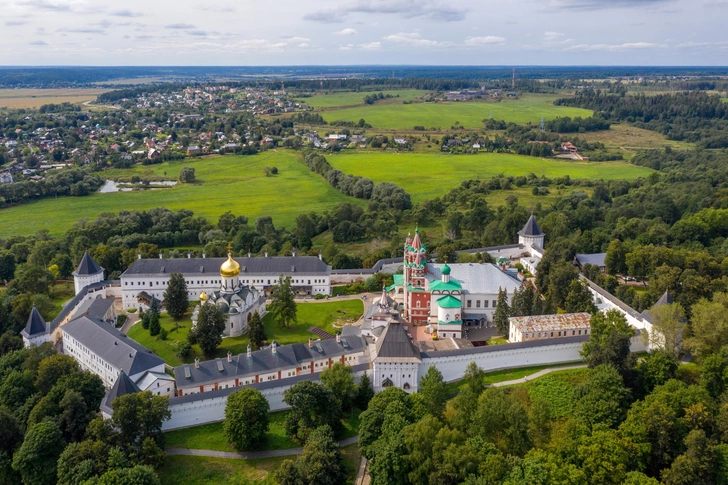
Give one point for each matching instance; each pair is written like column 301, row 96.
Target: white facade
column 82, row 281
column 404, row 375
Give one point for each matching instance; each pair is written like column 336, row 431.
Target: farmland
column 235, row 183
column 34, row 98
column 466, row 114
column 354, row 98
column 426, row 175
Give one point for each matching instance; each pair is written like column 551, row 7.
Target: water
column 113, row 186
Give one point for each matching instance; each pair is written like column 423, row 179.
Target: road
column 253, row 455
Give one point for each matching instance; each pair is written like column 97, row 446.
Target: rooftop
column 548, row 323
column 87, row 266
column 596, row 259
column 475, row 278
column 531, row 228
column 273, row 266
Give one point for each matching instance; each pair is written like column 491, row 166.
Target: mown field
column 224, row 183
column 34, row 98
column 353, row 98
column 426, row 176
column 443, row 115
column 321, row 314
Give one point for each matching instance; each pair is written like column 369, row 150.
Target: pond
column 113, row 186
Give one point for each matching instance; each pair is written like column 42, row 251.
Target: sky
column 305, row 32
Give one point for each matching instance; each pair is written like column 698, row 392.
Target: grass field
column 629, row 137
column 426, row 176
column 224, row 183
column 556, row 389
column 199, row 470
column 320, row 314
column 444, row 115
column 506, row 375
column 351, row 99
column 212, row 437
column 34, row 98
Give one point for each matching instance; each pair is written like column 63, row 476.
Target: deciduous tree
column 175, row 296
column 246, row 418
column 36, row 458
column 283, row 305
column 256, row 330
column 340, row 381
column 209, row 329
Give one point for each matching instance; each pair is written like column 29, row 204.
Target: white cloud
column 431, row 9
column 612, row 47
column 371, row 46
column 126, row 13
column 552, row 36
column 348, row 31
column 179, row 26
column 487, row 40
column 415, row 39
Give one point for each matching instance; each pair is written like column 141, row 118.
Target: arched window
column 387, row 383
column 447, row 317
column 418, row 303
column 457, row 316
column 406, row 386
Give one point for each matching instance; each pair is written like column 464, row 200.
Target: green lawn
column 212, row 437
column 428, row 175
column 556, row 389
column 235, row 183
column 505, row 375
column 352, row 98
column 201, row 470
column 315, row 314
column 443, row 115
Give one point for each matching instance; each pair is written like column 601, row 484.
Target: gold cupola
column 203, row 296
column 230, row 267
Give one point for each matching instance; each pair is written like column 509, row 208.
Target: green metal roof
column 457, row 322
column 390, row 288
column 398, row 279
column 439, row 285
column 449, row 301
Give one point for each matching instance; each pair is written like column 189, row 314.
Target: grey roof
column 289, row 381
column 608, row 296
column 272, row 266
column 264, row 361
column 87, row 266
column 476, row 278
column 395, row 343
column 531, row 228
column 71, row 305
column 665, row 299
column 111, row 345
column 36, row 325
column 499, row 348
column 123, row 386
column 596, row 259
column 94, row 308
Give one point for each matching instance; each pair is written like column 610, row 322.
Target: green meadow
column 235, row 183
column 443, row 115
column 428, row 175
column 353, row 98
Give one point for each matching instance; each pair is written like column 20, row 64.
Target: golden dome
column 230, row 267
column 203, row 296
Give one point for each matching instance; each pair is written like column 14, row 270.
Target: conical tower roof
column 36, row 325
column 531, row 228
column 665, row 299
column 87, row 266
column 123, row 386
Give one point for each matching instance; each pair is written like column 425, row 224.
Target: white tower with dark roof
column 87, row 273
column 531, row 235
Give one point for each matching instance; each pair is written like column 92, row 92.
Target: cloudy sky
column 277, row 32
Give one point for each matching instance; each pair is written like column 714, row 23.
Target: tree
column 283, row 304
column 52, row 368
column 696, row 466
column 668, row 323
column 656, row 368
column 74, row 415
column 246, row 418
column 432, row 394
column 616, row 258
column 175, row 296
column 474, row 378
column 502, row 419
column 709, row 326
column 256, row 330
column 609, row 342
column 579, row 298
column 155, row 327
column 320, row 462
column 605, row 457
column 340, row 381
column 364, row 392
column 210, row 326
column 312, row 405
column 602, row 399
column 138, row 416
column 187, row 175
column 36, row 458
column 500, row 317
column 138, row 475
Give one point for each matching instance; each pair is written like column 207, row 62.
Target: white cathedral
column 236, row 300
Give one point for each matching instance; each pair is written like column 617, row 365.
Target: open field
column 224, row 183
column 33, row 98
column 315, row 314
column 212, row 436
column 353, row 98
column 630, row 138
column 426, row 176
column 443, row 115
column 200, row 470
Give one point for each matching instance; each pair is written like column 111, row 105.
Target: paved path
column 536, row 375
column 253, row 455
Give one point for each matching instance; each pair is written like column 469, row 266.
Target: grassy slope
column 225, row 183
column 351, row 98
column 444, row 115
column 430, row 175
column 199, row 470
column 212, row 436
column 321, row 315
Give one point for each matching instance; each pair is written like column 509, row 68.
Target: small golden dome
column 203, row 296
column 230, row 267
